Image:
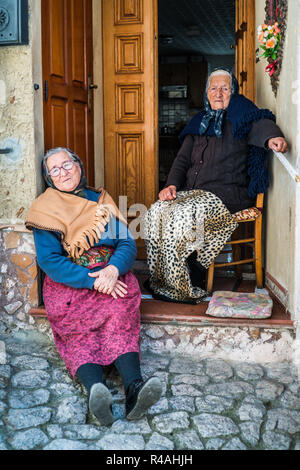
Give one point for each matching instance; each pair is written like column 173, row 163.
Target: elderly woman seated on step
column 91, row 297
column 222, row 159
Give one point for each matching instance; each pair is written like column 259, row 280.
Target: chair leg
column 258, row 253
column 236, row 251
column 210, row 278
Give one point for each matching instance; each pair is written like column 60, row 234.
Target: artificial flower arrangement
column 269, row 37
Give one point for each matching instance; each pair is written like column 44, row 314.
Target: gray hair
column 56, row 150
column 216, row 73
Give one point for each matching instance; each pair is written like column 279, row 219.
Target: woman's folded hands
column 107, row 282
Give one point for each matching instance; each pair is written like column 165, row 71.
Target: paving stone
column 2, row 353
column 229, row 389
column 161, row 406
column 251, row 409
column 283, row 420
column 234, row 444
column 251, row 431
column 54, row 431
column 182, row 404
column 59, row 390
column 31, row 417
column 3, row 408
column 297, row 445
column 209, row 425
column 82, row 431
column 66, row 444
column 30, row 379
column 276, row 441
column 121, row 442
column 28, row 399
column 29, row 362
column 60, row 375
column 249, row 371
column 213, row 404
column 167, row 423
column 268, row 390
column 29, row 439
column 119, row 411
column 178, row 365
column 159, row 442
column 5, row 373
column 281, row 372
column 218, row 370
column 131, row 427
column 188, row 440
column 190, row 379
column 71, row 410
column 290, row 400
column 185, row 389
column 214, row 444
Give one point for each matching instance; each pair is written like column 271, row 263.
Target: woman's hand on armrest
column 278, row 144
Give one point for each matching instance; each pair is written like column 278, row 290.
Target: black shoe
column 100, row 404
column 141, row 395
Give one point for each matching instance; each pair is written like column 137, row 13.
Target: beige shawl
column 80, row 221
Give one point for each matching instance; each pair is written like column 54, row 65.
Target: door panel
column 130, row 100
column 67, row 64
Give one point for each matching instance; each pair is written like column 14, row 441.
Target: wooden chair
column 254, row 215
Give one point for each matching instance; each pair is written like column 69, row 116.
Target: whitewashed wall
column 21, row 120
column 282, row 219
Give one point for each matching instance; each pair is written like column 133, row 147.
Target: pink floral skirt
column 89, row 326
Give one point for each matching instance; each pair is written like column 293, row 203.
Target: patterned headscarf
column 79, row 190
column 213, row 118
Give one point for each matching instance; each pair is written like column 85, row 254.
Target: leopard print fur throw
column 195, row 221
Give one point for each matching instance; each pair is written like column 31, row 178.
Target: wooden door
column 245, row 47
column 130, row 100
column 67, row 74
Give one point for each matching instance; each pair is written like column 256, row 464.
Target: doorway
column 156, row 56
column 196, row 37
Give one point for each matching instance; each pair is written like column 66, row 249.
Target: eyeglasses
column 67, row 166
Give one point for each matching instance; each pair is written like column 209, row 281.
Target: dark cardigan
column 220, row 165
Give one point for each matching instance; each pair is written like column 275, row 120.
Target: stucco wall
column 281, row 198
column 20, row 113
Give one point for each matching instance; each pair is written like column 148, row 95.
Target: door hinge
column 46, row 91
column 239, row 33
column 243, row 75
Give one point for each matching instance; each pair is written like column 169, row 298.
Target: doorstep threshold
column 160, row 312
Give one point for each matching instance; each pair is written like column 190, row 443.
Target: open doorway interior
column 195, row 36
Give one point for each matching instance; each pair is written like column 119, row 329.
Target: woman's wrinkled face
column 219, row 92
column 67, row 179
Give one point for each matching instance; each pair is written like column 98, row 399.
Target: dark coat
column 219, row 165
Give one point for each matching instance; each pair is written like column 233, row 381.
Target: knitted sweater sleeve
column 263, row 130
column 52, row 259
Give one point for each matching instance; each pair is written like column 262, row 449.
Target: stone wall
column 19, row 286
column 229, row 343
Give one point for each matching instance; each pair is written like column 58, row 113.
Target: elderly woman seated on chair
column 223, row 152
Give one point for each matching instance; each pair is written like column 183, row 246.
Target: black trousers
column 128, row 366
column 197, row 271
